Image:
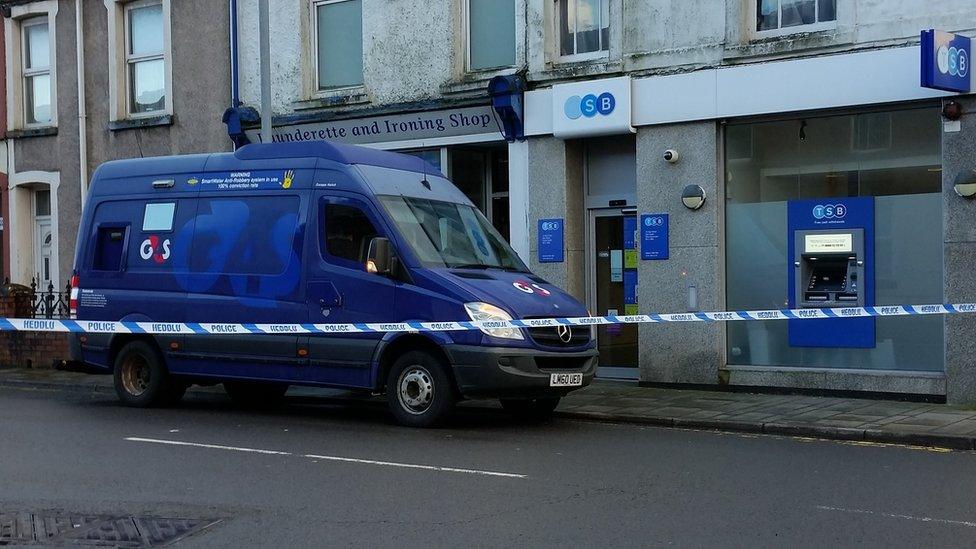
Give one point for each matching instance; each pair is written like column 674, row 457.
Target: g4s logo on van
column 152, row 248
column 528, row 288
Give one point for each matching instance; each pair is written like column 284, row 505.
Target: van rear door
column 339, row 290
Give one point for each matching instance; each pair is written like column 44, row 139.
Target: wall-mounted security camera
column 965, row 184
column 952, row 111
column 693, row 197
column 671, row 156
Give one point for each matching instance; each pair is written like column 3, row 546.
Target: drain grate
column 26, row 528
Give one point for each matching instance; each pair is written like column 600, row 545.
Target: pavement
column 855, row 419
column 79, row 469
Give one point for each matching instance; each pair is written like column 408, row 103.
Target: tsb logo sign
column 953, row 61
column 152, row 248
column 550, row 225
column 838, row 211
column 589, row 105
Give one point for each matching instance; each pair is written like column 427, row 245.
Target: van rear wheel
column 253, row 394
column 141, row 377
column 419, row 391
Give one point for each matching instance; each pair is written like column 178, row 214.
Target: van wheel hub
column 135, row 375
column 416, row 389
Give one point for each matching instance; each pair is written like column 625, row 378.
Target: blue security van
column 314, row 233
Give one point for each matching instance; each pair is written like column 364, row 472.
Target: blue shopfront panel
column 832, row 214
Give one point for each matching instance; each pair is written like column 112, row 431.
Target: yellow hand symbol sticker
column 289, row 176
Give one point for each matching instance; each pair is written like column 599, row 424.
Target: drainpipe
column 82, row 112
column 265, row 39
column 235, row 85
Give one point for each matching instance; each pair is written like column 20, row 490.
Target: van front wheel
column 419, row 391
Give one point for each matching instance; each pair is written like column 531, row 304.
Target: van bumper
column 502, row 372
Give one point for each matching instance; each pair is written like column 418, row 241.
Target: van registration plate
column 565, row 380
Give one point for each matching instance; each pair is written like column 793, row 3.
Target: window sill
column 140, row 123
column 24, row 133
column 474, row 81
column 789, row 44
column 334, row 98
column 568, row 71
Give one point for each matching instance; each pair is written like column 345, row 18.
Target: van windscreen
column 446, row 234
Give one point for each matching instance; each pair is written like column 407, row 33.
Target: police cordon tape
column 156, row 328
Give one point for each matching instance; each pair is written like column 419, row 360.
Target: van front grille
column 562, row 336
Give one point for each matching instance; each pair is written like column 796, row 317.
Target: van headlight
column 484, row 311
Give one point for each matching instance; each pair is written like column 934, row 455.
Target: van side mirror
column 379, row 258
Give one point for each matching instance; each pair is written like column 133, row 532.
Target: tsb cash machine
column 831, row 264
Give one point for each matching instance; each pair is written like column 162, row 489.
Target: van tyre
column 141, row 377
column 419, row 390
column 532, row 409
column 256, row 395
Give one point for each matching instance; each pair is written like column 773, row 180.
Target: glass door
column 612, row 270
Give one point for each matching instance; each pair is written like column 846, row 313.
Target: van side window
column 347, row 232
column 109, row 248
column 159, row 217
column 253, row 235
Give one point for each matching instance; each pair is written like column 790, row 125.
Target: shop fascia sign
column 592, row 108
column 947, row 61
column 467, row 121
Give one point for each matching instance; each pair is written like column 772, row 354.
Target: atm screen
column 829, row 277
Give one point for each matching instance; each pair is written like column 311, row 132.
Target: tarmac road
column 318, row 475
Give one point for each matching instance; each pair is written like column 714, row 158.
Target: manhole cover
column 25, row 528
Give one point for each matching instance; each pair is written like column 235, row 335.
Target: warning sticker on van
column 248, row 180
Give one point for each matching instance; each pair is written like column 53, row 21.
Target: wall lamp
column 965, row 184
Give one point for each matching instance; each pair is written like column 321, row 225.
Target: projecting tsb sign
column 946, row 60
column 598, row 107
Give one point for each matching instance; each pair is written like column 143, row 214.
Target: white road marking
column 329, row 458
column 897, row 516
column 210, row 446
column 414, row 466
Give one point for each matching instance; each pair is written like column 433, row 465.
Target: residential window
column 781, row 14
column 36, row 65
column 584, row 27
column 491, row 34
column 145, row 58
column 338, row 43
column 140, row 76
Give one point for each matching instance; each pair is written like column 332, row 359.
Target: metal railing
column 48, row 303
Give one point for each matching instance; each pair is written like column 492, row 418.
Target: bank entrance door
column 613, row 288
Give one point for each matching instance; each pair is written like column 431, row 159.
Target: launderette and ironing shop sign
column 398, row 127
column 595, row 107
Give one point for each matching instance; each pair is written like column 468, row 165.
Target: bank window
column 584, row 28
column 774, row 15
column 491, row 33
column 338, row 40
column 347, row 232
column 896, row 160
column 36, row 65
